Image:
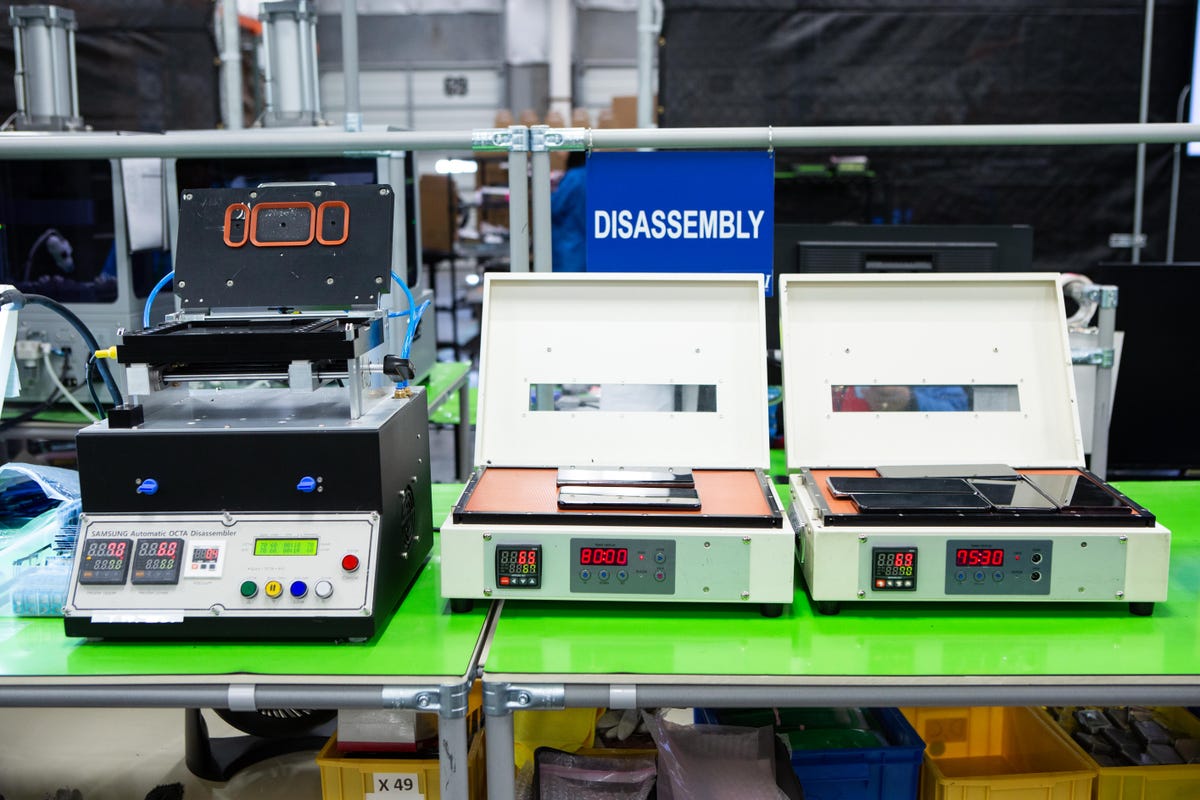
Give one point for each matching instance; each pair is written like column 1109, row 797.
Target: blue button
column 659, row 557
column 997, row 575
column 307, row 484
column 148, row 486
column 298, row 589
column 585, row 574
column 960, row 575
column 603, row 574
column 979, row 575
column 622, row 575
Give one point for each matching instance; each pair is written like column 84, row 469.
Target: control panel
column 519, row 566
column 998, row 566
column 623, row 566
column 894, row 569
column 927, row 564
column 610, row 564
column 158, row 568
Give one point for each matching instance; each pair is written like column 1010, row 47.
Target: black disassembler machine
column 299, row 510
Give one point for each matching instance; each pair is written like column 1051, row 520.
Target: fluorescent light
column 455, row 166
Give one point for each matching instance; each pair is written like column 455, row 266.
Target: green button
column 249, row 588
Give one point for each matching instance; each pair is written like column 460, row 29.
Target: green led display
column 285, row 547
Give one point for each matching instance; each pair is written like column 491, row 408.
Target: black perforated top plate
column 304, row 246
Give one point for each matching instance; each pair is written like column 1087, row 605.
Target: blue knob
column 307, row 484
column 148, row 486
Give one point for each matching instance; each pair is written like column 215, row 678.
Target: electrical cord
column 163, row 281
column 91, row 387
column 19, row 299
column 414, row 319
column 62, row 387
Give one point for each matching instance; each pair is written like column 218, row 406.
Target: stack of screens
column 638, row 489
column 1058, row 492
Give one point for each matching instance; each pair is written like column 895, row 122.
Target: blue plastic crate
column 875, row 773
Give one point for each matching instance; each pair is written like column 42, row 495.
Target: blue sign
column 681, row 212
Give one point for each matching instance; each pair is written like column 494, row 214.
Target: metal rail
column 226, row 144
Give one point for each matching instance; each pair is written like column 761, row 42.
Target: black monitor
column 1153, row 432
column 894, row 248
column 908, row 248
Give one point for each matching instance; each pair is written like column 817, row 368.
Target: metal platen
column 294, row 246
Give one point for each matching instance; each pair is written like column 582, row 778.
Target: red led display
column 978, row 557
column 604, row 555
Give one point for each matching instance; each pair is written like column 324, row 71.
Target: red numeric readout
column 618, row 556
column 978, row 557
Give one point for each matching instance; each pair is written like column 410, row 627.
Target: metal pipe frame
column 231, row 67
column 251, row 143
column 227, row 144
column 353, row 103
column 647, row 34
column 502, row 698
column 765, row 138
column 518, row 199
column 1139, row 179
column 542, row 253
column 19, row 75
column 1106, row 324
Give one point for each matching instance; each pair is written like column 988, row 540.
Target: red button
column 504, row 579
column 350, row 563
column 878, row 583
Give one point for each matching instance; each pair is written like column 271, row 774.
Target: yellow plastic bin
column 1162, row 782
column 353, row 777
column 987, row 753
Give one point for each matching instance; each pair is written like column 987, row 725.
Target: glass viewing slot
column 925, row 397
column 623, row 397
column 285, row 547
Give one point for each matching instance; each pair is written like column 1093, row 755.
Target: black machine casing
column 376, row 464
column 298, row 513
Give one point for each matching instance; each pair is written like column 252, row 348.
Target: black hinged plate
column 305, row 246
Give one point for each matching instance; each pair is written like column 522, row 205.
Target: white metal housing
column 905, row 329
column 623, row 329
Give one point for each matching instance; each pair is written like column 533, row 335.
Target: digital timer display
column 615, row 556
column 156, row 561
column 105, row 561
column 894, row 569
column 518, row 566
column 978, row 557
column 285, row 547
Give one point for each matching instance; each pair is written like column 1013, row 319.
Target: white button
column 323, row 589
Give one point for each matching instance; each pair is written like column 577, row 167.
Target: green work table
column 447, row 380
column 625, row 655
column 425, row 658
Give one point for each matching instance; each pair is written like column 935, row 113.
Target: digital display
column 617, row 556
column 518, row 565
column 978, row 557
column 206, row 555
column 894, row 569
column 895, row 564
column 156, row 561
column 285, row 547
column 105, row 561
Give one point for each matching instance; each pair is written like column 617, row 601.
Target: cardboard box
column 439, row 213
